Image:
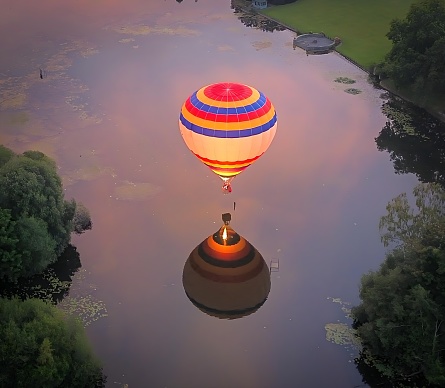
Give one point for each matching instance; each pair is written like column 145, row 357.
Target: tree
column 5, row 155
column 43, row 348
column 10, row 257
column 82, row 219
column 417, row 56
column 401, row 319
column 37, row 220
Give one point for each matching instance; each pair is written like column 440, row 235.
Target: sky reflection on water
column 108, row 113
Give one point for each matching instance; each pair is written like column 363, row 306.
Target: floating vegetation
column 18, row 118
column 86, row 174
column 52, row 285
column 146, row 30
column 353, row 91
column 225, row 47
column 341, row 333
column 88, row 52
column 74, row 101
column 136, row 191
column 46, row 286
column 261, row 45
column 24, row 93
column 12, row 100
column 344, row 80
column 345, row 306
column 86, row 308
column 403, row 119
column 82, row 303
column 122, row 385
column 126, row 40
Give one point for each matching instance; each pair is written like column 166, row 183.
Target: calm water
column 115, row 77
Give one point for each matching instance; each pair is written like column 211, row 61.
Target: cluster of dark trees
column 36, row 221
column 401, row 319
column 40, row 346
column 417, row 57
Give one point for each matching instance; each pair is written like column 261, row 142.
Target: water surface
column 115, row 77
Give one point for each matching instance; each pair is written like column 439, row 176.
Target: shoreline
column 440, row 115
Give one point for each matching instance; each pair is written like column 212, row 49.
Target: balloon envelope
column 228, row 126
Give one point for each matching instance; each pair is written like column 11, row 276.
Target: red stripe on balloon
column 227, row 91
column 228, row 118
column 206, row 161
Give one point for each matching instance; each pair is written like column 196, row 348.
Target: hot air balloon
column 228, row 126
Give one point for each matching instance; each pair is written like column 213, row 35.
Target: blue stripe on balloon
column 228, row 134
column 230, row 111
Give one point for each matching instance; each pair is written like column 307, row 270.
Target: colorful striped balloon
column 228, row 126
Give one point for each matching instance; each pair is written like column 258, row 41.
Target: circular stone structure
column 226, row 277
column 315, row 43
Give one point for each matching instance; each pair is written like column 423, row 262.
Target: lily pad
column 136, row 191
column 344, row 80
column 341, row 334
column 353, row 91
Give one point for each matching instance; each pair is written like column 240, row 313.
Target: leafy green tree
column 37, row 221
column 401, row 319
column 31, row 187
column 5, row 155
column 43, row 348
column 417, row 56
column 10, row 257
column 82, row 219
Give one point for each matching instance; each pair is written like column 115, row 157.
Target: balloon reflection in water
column 225, row 276
column 228, row 126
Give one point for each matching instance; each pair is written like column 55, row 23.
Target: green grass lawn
column 362, row 25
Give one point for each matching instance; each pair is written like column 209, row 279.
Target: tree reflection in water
column 52, row 285
column 414, row 139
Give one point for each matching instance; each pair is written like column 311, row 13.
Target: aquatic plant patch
column 344, row 80
column 353, row 91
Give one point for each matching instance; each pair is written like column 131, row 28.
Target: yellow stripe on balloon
column 229, row 166
column 225, row 174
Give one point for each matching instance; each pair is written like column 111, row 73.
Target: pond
column 106, row 108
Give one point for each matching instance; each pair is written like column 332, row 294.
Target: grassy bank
column 362, row 25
